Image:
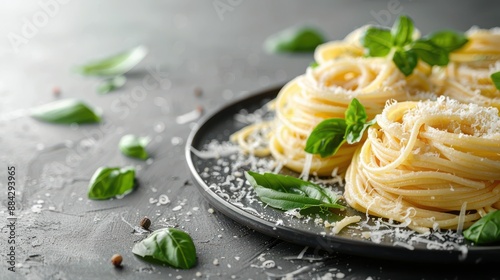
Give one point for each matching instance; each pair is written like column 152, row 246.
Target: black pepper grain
column 145, row 223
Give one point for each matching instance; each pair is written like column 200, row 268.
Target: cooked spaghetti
column 324, row 92
column 467, row 77
column 428, row 165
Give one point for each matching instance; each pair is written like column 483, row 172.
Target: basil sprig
column 109, row 182
column 114, row 65
column 327, row 137
column 66, row 111
column 134, row 146
column 433, row 49
column 287, row 192
column 169, row 246
column 495, row 78
column 295, row 39
column 486, row 230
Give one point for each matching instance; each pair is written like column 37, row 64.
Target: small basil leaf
column 313, row 64
column 115, row 65
column 327, row 137
column 448, row 40
column 377, row 41
column 402, row 31
column 495, row 78
column 168, row 246
column 111, row 84
column 286, row 192
column 354, row 132
column 296, row 39
column 486, row 230
column 66, row 111
column 355, row 113
column 109, row 182
column 133, row 146
column 406, row 61
column 430, row 53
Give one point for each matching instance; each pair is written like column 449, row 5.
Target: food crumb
column 178, row 277
column 198, row 274
column 210, row 210
column 216, row 262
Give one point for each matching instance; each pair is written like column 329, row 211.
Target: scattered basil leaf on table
column 495, row 78
column 169, row 246
column 433, row 49
column 295, row 39
column 111, row 84
column 66, row 111
column 109, row 182
column 134, row 146
column 287, row 192
column 327, row 137
column 114, row 65
column 486, row 230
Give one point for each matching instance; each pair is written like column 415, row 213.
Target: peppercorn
column 116, row 260
column 145, row 223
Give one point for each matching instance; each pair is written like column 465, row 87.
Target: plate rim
column 340, row 244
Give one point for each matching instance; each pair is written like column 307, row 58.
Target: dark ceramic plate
column 211, row 176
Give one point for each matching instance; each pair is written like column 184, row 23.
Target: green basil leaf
column 355, row 117
column 448, row 40
column 133, row 146
column 327, row 137
column 296, row 39
column 287, row 192
column 402, row 31
column 430, row 53
column 66, row 111
column 355, row 113
column 313, row 64
column 168, row 246
column 495, row 78
column 377, row 41
column 406, row 61
column 354, row 132
column 109, row 182
column 111, row 84
column 115, row 65
column 486, row 230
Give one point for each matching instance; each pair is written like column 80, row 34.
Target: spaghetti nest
column 467, row 77
column 325, row 92
column 428, row 164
